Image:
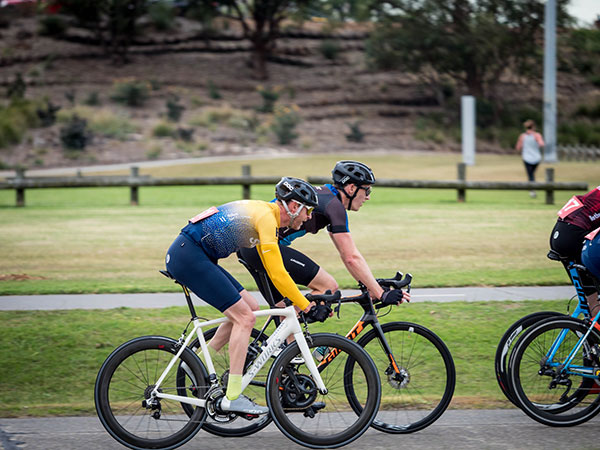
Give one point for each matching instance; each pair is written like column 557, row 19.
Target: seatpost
column 188, row 299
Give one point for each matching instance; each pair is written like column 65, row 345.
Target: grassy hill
column 326, row 98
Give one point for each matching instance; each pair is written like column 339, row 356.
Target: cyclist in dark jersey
column 578, row 218
column 192, row 259
column 590, row 255
column 351, row 187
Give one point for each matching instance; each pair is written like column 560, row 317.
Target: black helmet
column 353, row 172
column 290, row 188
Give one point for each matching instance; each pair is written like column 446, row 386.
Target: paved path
column 162, row 300
column 67, row 171
column 456, row 429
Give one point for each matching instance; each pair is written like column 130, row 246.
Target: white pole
column 467, row 104
column 550, row 81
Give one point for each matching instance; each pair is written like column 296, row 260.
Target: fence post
column 462, row 176
column 246, row 187
column 550, row 191
column 133, row 197
column 20, row 175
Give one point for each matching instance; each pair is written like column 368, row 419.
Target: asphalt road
column 456, row 429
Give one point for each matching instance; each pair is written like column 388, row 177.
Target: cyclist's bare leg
column 242, row 321
column 322, row 282
column 222, row 336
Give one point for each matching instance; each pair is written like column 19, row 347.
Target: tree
column 470, row 43
column 113, row 22
column 260, row 21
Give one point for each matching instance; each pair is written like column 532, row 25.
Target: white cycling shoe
column 243, row 405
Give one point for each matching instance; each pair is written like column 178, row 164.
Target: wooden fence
column 20, row 183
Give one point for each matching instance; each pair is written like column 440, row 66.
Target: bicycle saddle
column 555, row 256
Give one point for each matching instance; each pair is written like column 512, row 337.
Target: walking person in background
column 529, row 144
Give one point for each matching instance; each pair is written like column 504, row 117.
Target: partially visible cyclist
column 192, row 259
column 351, row 188
column 590, row 255
column 576, row 219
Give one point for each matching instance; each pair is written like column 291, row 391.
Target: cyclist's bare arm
column 355, row 262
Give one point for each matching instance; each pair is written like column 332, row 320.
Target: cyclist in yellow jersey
column 192, row 259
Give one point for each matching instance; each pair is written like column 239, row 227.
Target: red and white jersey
column 583, row 210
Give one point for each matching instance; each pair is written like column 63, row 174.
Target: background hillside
column 319, row 76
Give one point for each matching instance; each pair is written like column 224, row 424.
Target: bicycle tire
column 124, row 383
column 235, row 426
column 551, row 405
column 420, row 397
column 310, row 418
column 506, row 345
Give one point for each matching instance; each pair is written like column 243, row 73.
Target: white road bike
column 145, row 402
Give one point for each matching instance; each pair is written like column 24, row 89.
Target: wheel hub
column 398, row 380
column 151, row 402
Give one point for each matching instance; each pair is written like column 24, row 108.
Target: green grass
column 91, row 240
column 50, row 359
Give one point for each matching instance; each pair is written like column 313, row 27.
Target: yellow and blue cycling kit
column 220, row 231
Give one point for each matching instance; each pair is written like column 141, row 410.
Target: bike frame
column 582, row 305
column 566, row 367
column 288, row 327
column 369, row 317
column 582, row 308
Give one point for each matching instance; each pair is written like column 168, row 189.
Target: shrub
column 163, row 130
column 93, row 99
column 106, row 123
column 75, row 135
column 162, row 15
column 590, row 111
column 330, row 49
column 130, row 92
column 16, row 88
column 213, row 91
column 51, row 25
column 579, row 133
column 211, row 116
column 355, row 135
column 47, row 115
column 269, row 97
column 426, row 130
column 174, row 109
column 154, row 152
column 185, row 134
column 71, row 96
column 10, row 133
column 284, row 124
column 244, row 122
column 15, row 119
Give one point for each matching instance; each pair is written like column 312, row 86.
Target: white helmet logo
column 288, row 185
column 343, row 180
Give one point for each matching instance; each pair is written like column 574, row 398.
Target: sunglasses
column 309, row 209
column 366, row 189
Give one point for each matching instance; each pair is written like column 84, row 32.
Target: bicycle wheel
column 542, row 389
column 315, row 420
column 506, row 345
column 233, row 425
column 421, row 392
column 122, row 394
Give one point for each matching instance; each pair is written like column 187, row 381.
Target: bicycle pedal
column 250, row 416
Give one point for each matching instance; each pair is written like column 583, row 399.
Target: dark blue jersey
column 330, row 213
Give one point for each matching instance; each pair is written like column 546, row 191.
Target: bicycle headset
column 351, row 172
column 296, row 189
